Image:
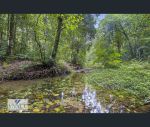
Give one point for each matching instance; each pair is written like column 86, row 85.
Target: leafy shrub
column 108, row 57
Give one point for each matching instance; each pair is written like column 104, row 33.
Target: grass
column 131, row 77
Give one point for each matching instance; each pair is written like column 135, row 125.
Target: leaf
column 55, row 95
column 57, row 109
column 36, row 110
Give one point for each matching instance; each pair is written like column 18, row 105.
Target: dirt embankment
column 17, row 70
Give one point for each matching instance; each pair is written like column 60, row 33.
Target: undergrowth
column 132, row 77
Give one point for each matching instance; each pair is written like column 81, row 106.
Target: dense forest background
column 74, row 38
column 42, row 36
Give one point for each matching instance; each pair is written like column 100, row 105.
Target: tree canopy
column 72, row 37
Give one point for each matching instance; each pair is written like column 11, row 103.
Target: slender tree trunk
column 118, row 40
column 37, row 40
column 14, row 39
column 57, row 38
column 1, row 38
column 126, row 36
column 119, row 46
column 7, row 32
column 11, row 35
column 39, row 45
column 8, row 25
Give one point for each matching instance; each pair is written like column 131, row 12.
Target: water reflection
column 94, row 105
column 70, row 92
column 62, row 98
column 91, row 102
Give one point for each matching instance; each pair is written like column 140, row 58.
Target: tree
column 57, row 38
column 11, row 25
column 81, row 39
column 68, row 22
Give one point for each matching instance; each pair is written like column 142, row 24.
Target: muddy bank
column 143, row 109
column 18, row 70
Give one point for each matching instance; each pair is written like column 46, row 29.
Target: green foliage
column 125, row 34
column 35, row 34
column 106, row 55
column 73, row 46
column 118, row 42
column 131, row 77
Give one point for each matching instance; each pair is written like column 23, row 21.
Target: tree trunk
column 126, row 36
column 119, row 46
column 74, row 58
column 39, row 45
column 118, row 40
column 57, row 38
column 14, row 38
column 11, row 35
column 8, row 25
column 37, row 40
column 1, row 38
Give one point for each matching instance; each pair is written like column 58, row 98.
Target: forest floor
column 130, row 81
column 17, row 70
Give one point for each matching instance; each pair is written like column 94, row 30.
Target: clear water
column 65, row 94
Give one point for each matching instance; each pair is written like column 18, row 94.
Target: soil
column 18, row 70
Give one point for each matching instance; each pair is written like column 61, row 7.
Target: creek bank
column 28, row 70
column 144, row 108
column 77, row 68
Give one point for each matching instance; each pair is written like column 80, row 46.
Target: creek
column 63, row 94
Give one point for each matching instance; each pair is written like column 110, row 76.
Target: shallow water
column 69, row 94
